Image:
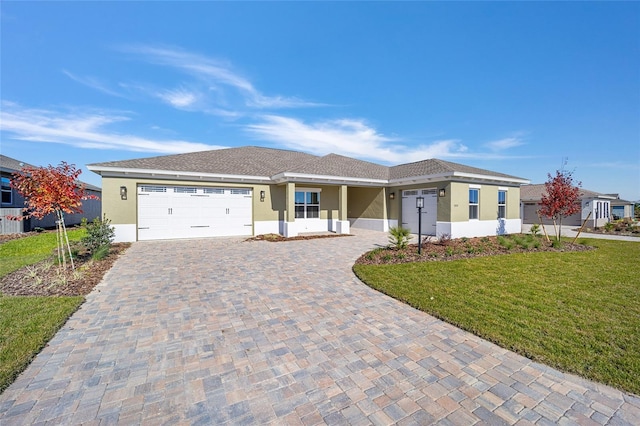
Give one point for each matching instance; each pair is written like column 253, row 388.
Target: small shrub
column 38, row 229
column 464, row 239
column 609, row 226
column 535, row 229
column 505, row 242
column 556, row 244
column 401, row 255
column 100, row 253
column 399, row 237
column 387, row 257
column 448, row 251
column 99, row 233
column 485, row 239
column 444, row 239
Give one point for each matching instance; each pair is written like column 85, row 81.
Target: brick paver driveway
column 223, row 331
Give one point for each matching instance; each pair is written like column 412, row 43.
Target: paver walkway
column 223, row 331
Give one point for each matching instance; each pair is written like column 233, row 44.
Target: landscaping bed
column 276, row 238
column 444, row 249
column 45, row 278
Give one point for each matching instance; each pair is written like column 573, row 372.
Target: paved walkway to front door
column 224, row 331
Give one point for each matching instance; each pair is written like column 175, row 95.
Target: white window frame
column 306, row 203
column 476, row 204
column 6, row 189
column 502, row 207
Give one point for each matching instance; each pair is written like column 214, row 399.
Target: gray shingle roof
column 248, row 160
column 436, row 167
column 338, row 165
column 9, row 164
column 534, row 193
column 268, row 162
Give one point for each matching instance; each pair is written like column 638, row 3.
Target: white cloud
column 504, row 144
column 94, row 83
column 348, row 137
column 215, row 74
column 83, row 130
column 179, row 98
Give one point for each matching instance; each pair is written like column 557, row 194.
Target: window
column 502, row 204
column 307, row 205
column 6, row 191
column 473, row 203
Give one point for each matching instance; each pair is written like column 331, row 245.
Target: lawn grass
column 18, row 253
column 575, row 311
column 26, row 325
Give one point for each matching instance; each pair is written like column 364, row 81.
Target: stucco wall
column 488, row 202
column 366, row 203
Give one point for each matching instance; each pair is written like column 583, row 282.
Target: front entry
column 429, row 212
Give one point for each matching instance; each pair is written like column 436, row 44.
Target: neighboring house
column 621, row 209
column 13, row 203
column 595, row 206
column 254, row 190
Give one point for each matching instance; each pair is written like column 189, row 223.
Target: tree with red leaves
column 562, row 199
column 51, row 190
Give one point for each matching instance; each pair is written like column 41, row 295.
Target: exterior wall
column 11, row 226
column 370, row 208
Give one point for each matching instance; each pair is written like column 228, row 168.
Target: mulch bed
column 276, row 238
column 47, row 279
column 455, row 249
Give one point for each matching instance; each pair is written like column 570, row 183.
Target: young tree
column 51, row 190
column 562, row 199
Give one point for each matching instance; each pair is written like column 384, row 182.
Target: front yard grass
column 26, row 325
column 16, row 254
column 578, row 312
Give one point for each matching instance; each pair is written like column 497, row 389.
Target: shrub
column 609, row 226
column 444, row 239
column 399, row 237
column 100, row 253
column 535, row 229
column 99, row 233
column 556, row 244
column 505, row 242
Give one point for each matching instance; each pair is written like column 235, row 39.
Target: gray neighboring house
column 599, row 205
column 13, row 203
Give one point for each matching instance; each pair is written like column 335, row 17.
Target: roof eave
column 175, row 174
column 286, row 177
column 458, row 175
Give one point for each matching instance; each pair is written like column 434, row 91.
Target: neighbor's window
column 307, row 205
column 502, row 204
column 6, row 191
column 473, row 203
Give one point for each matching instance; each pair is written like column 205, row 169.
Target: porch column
column 289, row 228
column 342, row 224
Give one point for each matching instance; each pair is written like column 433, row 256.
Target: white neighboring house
column 594, row 203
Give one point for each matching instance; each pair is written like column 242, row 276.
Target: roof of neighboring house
column 268, row 163
column 534, row 193
column 10, row 165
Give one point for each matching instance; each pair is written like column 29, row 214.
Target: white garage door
column 429, row 211
column 166, row 212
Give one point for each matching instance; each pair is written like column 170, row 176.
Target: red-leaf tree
column 51, row 190
column 562, row 199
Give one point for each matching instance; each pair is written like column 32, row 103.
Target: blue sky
column 516, row 87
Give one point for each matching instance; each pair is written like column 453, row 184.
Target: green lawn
column 29, row 250
column 26, row 325
column 578, row 312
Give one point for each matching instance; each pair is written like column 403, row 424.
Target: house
column 254, row 190
column 621, row 209
column 595, row 206
column 13, row 203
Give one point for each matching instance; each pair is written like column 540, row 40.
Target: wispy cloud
column 83, row 130
column 505, row 143
column 94, row 83
column 215, row 75
column 179, row 98
column 348, row 137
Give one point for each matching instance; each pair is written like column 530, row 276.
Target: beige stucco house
column 255, row 190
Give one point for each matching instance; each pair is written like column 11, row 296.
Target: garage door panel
column 193, row 212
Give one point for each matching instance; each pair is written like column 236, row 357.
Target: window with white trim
column 473, row 203
column 7, row 193
column 307, row 205
column 502, row 204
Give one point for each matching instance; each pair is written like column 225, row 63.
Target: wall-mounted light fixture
column 262, row 195
column 392, row 195
column 442, row 192
column 123, row 192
